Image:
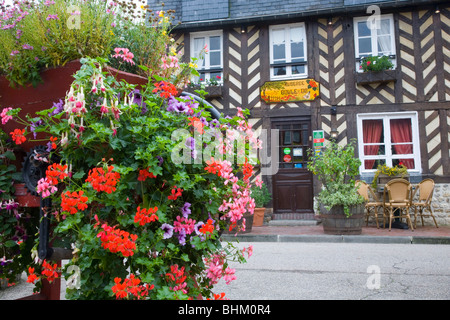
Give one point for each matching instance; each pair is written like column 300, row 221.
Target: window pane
column 278, row 36
column 279, row 52
column 373, row 164
column 385, row 27
column 279, row 71
column 363, row 30
column 365, row 45
column 214, row 59
column 401, row 130
column 402, row 148
column 298, row 69
column 214, row 43
column 215, row 76
column 408, row 163
column 384, row 45
column 297, row 50
column 373, row 131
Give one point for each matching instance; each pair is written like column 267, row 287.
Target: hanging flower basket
column 376, row 77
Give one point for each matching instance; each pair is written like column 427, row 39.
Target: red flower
column 32, row 277
column 207, row 227
column 143, row 215
column 18, row 136
column 130, row 286
column 72, row 202
column 176, row 192
column 197, row 124
column 56, row 173
column 213, row 167
column 103, row 181
column 52, row 140
column 167, row 89
column 247, row 170
column 116, row 240
column 50, row 271
column 144, row 174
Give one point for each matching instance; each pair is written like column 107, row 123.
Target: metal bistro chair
column 425, row 189
column 397, row 195
column 372, row 204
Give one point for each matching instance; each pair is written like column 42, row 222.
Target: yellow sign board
column 290, row 91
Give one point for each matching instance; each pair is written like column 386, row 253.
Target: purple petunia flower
column 185, row 210
column 182, row 237
column 168, row 230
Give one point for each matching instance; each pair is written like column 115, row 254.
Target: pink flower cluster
column 45, row 187
column 125, row 54
column 216, row 270
column 4, row 115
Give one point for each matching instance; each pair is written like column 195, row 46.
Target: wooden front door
column 293, row 184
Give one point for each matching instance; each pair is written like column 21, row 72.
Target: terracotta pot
column 258, row 217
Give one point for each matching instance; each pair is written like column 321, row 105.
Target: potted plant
column 375, row 69
column 385, row 173
column 262, row 196
column 143, row 215
column 341, row 206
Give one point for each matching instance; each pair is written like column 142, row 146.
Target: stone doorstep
column 291, row 223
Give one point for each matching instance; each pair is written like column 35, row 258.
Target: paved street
column 279, row 271
column 331, row 271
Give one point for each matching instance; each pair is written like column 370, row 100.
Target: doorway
column 293, row 184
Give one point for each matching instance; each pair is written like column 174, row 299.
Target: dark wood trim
column 438, row 45
column 349, row 61
column 423, row 146
column 417, row 56
column 398, row 86
column 226, row 70
column 394, row 107
column 264, row 46
column 444, row 128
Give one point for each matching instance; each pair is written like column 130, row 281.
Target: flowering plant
column 398, row 170
column 16, row 223
column 145, row 184
column 376, row 63
column 38, row 34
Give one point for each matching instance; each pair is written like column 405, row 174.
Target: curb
column 337, row 239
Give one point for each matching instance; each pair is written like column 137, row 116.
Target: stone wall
column 440, row 205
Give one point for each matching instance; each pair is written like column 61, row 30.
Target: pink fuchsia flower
column 5, row 117
column 45, row 187
column 124, row 54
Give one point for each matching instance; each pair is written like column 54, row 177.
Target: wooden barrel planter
column 336, row 222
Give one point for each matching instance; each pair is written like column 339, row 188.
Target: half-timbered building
column 296, row 66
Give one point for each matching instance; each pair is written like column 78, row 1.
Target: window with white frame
column 374, row 38
column 391, row 139
column 210, row 65
column 288, row 58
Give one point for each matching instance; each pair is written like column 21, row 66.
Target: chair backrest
column 363, row 189
column 399, row 190
column 425, row 189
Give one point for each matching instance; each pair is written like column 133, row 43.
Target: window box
column 213, row 91
column 374, row 77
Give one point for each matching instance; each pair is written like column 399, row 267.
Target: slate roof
column 198, row 13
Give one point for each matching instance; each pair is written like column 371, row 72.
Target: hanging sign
column 287, row 150
column 318, row 138
column 287, row 158
column 290, row 91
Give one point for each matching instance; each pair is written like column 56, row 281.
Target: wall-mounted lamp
column 330, row 21
column 437, row 10
column 333, row 110
column 243, row 29
column 334, row 133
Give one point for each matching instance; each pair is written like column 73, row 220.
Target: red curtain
column 401, row 132
column 372, row 130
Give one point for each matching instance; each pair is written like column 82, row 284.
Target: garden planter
column 258, row 217
column 376, row 77
column 213, row 91
column 382, row 179
column 24, row 197
column 336, row 222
